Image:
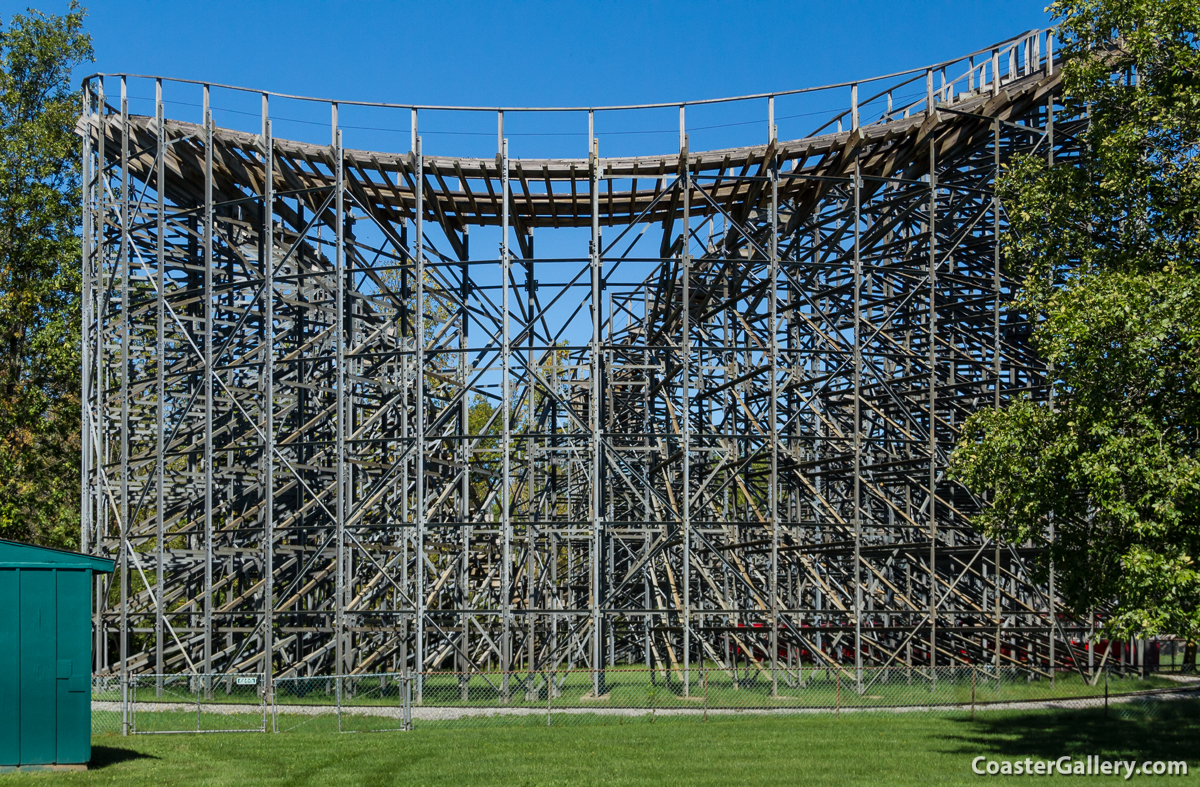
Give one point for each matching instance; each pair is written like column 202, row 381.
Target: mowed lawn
column 913, row 748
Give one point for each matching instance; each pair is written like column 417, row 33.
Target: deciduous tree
column 39, row 276
column 1108, row 248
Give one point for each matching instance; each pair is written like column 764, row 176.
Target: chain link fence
column 628, row 695
column 178, row 703
column 396, row 702
column 108, row 704
column 197, row 703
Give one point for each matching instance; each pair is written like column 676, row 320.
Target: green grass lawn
column 913, row 748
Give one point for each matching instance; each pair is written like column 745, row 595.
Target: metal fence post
column 337, row 691
column 972, row 692
column 838, row 695
column 549, row 694
column 408, row 725
column 1106, row 694
column 704, row 678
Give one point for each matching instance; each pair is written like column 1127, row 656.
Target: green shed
column 45, row 657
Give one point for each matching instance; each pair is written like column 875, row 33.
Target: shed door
column 73, row 684
column 10, row 673
column 39, row 629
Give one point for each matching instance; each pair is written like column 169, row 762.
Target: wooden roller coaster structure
column 323, row 435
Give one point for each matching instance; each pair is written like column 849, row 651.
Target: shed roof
column 14, row 554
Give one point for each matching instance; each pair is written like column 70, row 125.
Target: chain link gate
column 380, row 702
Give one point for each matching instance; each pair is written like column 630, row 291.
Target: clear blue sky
column 538, row 53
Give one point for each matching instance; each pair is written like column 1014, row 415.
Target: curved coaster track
column 707, row 423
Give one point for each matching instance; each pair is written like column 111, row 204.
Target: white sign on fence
column 247, row 681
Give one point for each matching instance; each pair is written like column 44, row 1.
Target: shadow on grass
column 1150, row 731
column 104, row 756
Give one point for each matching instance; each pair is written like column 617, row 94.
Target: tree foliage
column 1108, row 250
column 40, row 276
